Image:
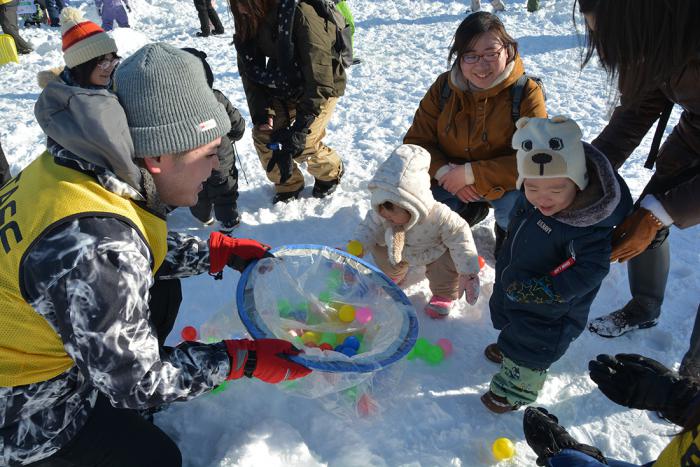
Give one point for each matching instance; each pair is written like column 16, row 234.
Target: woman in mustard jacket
column 466, row 120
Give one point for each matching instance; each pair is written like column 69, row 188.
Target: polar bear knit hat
column 550, row 148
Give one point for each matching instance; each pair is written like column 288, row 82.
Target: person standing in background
column 8, row 23
column 207, row 18
column 293, row 77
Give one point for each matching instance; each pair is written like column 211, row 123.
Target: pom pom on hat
column 83, row 40
column 550, row 148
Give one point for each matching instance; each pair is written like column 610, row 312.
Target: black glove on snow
column 547, row 438
column 642, row 383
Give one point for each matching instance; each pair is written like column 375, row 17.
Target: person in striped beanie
column 89, row 52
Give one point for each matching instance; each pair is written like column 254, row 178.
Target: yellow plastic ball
column 503, row 449
column 355, row 248
column 346, row 313
column 310, row 337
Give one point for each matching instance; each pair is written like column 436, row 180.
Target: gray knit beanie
column 168, row 104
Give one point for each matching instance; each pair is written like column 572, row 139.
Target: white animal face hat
column 550, row 148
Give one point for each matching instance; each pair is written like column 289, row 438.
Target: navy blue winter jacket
column 536, row 333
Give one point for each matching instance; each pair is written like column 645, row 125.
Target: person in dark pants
column 207, row 13
column 8, row 23
column 54, row 8
column 654, row 72
column 4, row 168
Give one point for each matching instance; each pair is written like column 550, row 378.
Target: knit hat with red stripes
column 83, row 40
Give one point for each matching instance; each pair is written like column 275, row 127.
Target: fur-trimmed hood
column 403, row 180
column 600, row 202
column 44, row 77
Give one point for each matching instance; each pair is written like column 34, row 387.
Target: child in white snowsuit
column 555, row 255
column 407, row 227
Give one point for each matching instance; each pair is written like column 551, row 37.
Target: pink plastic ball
column 446, row 345
column 363, row 315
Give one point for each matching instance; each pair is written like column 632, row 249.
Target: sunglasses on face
column 471, row 58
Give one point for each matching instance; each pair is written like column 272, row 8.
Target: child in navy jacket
column 555, row 256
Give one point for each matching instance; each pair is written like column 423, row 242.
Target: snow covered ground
column 432, row 416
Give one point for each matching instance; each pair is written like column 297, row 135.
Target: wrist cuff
column 442, row 171
column 250, row 363
column 653, row 205
column 468, row 174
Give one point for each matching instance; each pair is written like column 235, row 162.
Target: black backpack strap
column 516, row 93
column 445, row 93
column 658, row 134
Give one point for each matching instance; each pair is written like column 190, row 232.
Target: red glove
column 264, row 359
column 234, row 252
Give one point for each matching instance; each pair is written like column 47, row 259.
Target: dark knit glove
column 643, row 383
column 236, row 253
column 264, row 359
column 547, row 438
column 292, row 139
column 282, row 159
column 538, row 290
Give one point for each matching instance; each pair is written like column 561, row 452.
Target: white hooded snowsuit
column 433, row 230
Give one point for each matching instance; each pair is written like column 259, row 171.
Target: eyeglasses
column 471, row 59
column 108, row 63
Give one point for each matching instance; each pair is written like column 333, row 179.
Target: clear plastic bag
column 348, row 317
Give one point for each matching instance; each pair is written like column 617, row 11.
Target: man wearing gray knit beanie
column 89, row 275
column 171, row 111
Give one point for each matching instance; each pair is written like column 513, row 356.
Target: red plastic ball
column 189, row 333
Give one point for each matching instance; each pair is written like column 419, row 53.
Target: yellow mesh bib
column 43, row 196
column 682, row 451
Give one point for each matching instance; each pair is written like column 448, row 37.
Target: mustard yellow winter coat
column 475, row 126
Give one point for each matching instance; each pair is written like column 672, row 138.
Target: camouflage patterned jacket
column 90, row 278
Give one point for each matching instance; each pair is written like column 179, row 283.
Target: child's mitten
column 469, row 285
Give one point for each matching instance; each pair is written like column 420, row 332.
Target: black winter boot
column 287, row 196
column 547, row 438
column 226, row 226
column 326, row 188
